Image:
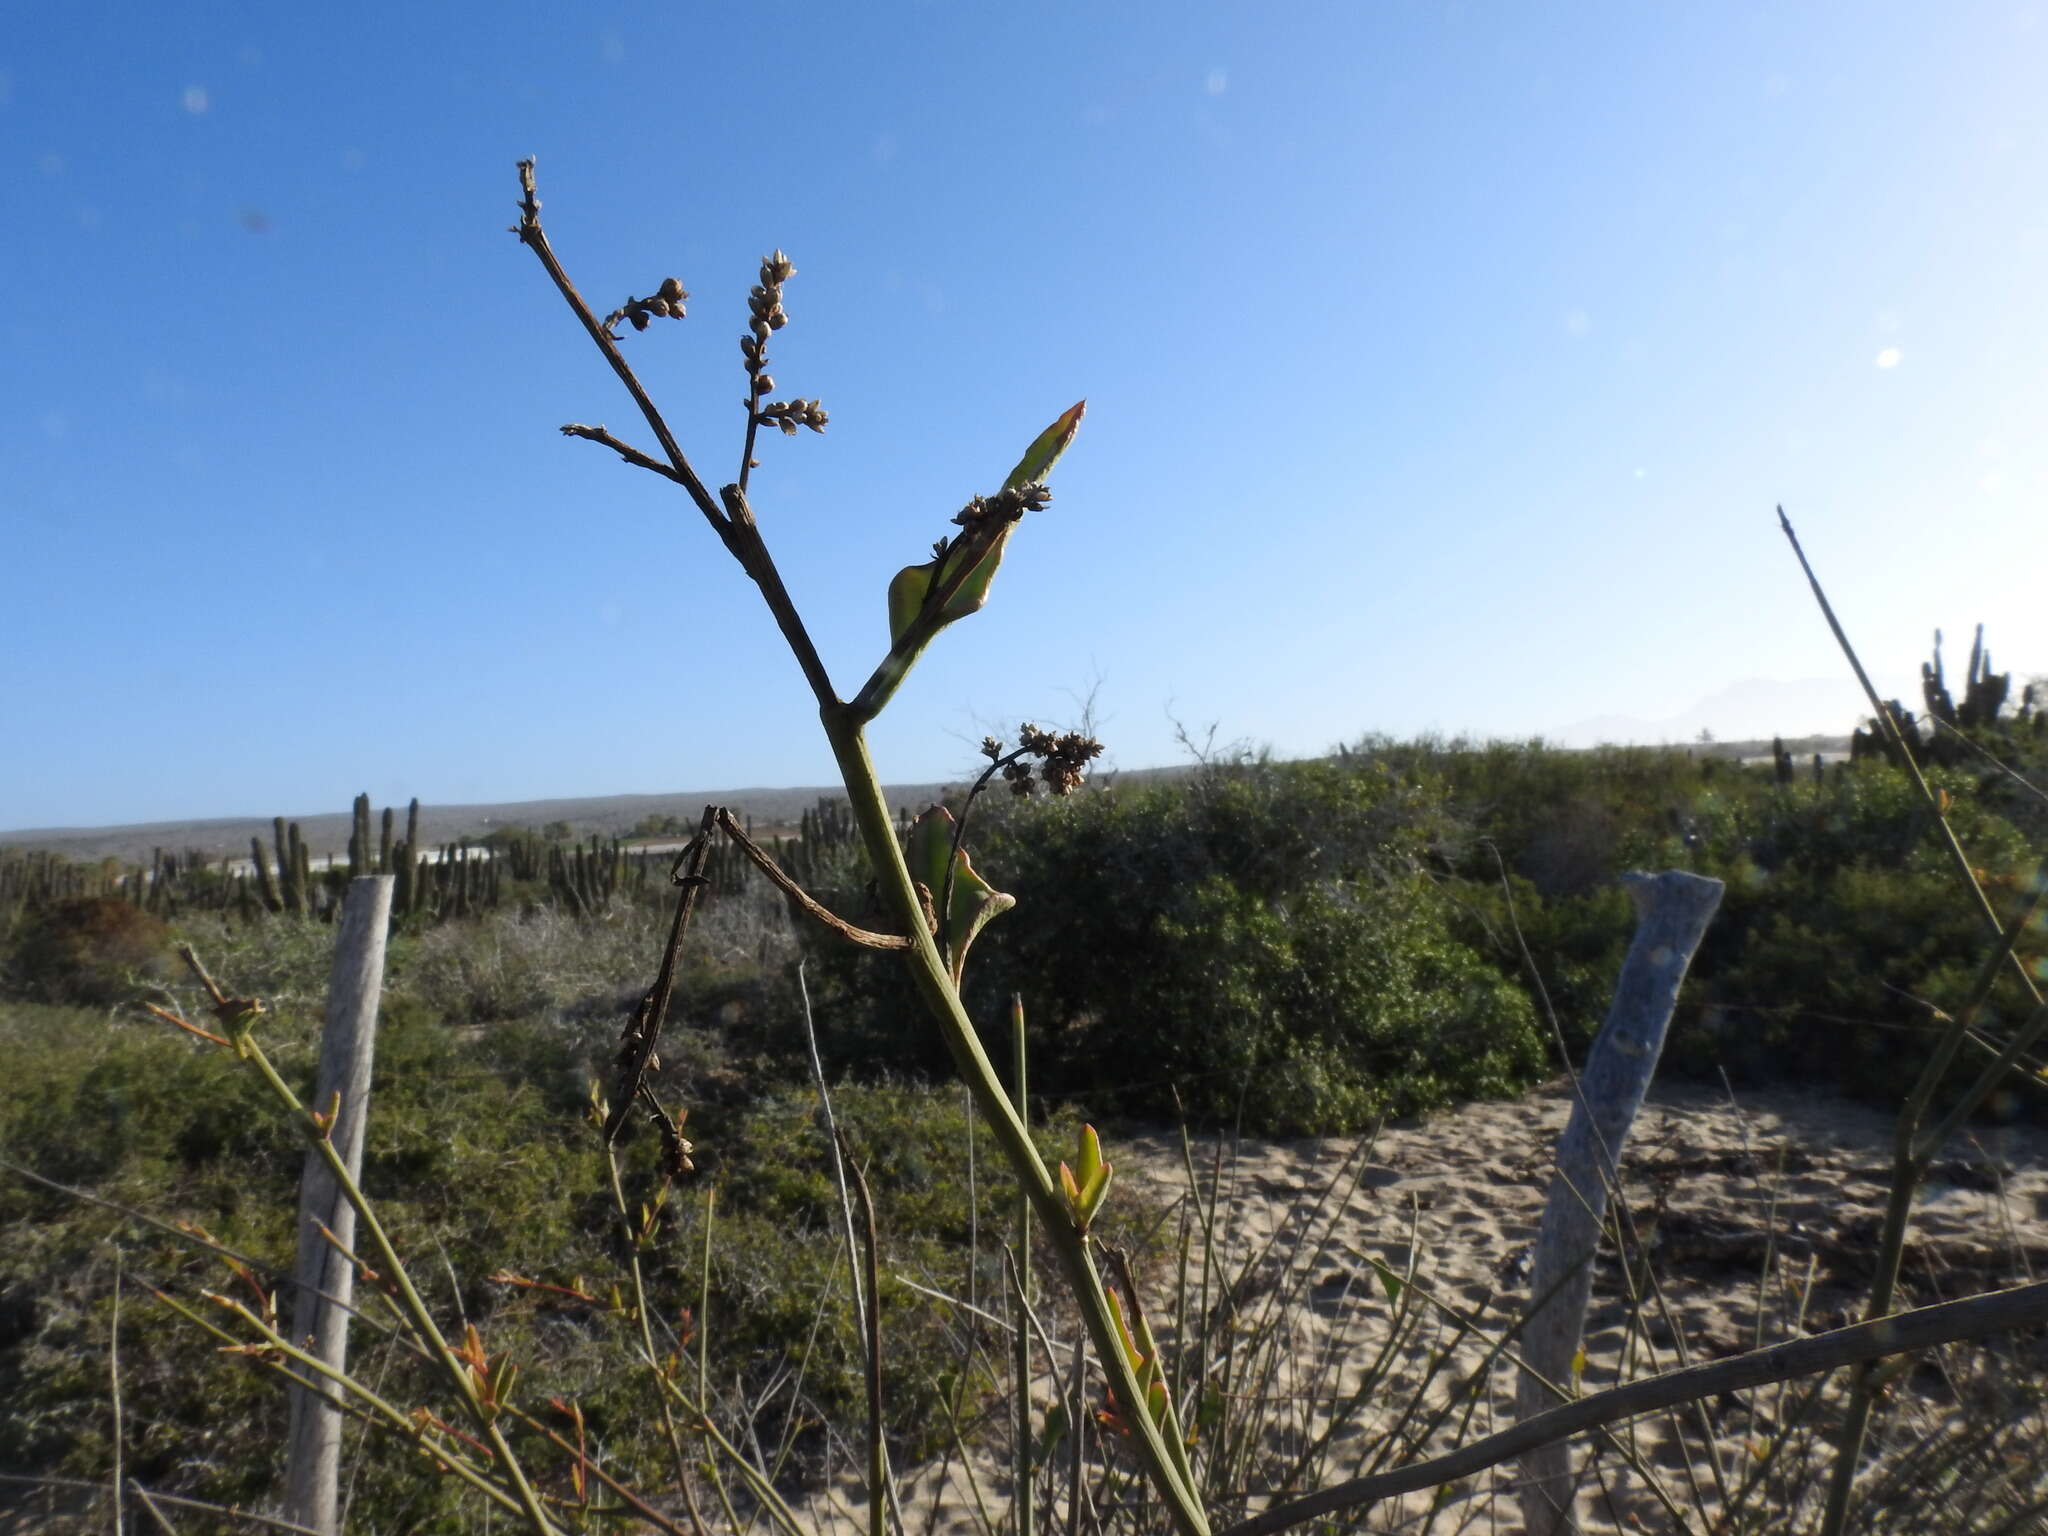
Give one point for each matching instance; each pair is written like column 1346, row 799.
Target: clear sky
column 1444, row 364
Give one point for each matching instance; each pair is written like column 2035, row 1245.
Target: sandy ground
column 1759, row 1214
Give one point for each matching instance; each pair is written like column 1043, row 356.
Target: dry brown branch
column 1975, row 1317
column 796, row 893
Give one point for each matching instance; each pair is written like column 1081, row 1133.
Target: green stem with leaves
column 953, row 584
column 935, row 985
column 415, row 1310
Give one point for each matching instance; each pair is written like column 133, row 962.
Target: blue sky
column 1444, row 365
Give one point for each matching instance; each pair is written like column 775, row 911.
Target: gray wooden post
column 1672, row 913
column 326, row 1280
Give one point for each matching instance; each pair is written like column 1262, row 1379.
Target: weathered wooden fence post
column 326, row 1280
column 1672, row 913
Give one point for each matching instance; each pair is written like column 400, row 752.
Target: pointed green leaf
column 1046, row 448
column 1091, row 1155
column 1093, row 1191
column 1071, row 1190
column 911, row 585
column 906, row 596
column 1055, row 1430
column 1123, row 1330
column 1390, row 1281
column 974, row 901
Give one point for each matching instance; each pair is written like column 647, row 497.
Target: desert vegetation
column 673, row 1332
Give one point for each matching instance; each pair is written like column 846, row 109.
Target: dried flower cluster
column 1004, row 507
column 791, row 414
column 666, row 302
column 765, row 314
column 1061, row 759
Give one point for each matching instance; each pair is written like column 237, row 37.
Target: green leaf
column 1091, row 1155
column 906, row 596
column 1055, row 1430
column 913, row 583
column 1389, row 1281
column 974, row 900
column 1091, row 1180
column 1046, row 448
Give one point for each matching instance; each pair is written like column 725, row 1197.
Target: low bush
column 93, row 950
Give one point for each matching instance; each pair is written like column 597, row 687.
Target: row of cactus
column 1952, row 726
column 457, row 880
column 36, row 877
column 1783, row 769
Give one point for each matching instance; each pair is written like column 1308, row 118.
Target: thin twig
column 1856, row 1417
column 535, row 239
column 1975, row 1317
column 641, row 1313
column 1890, row 727
column 640, row 1506
column 1992, row 758
column 1018, row 1268
column 833, row 1143
column 643, row 1034
column 812, row 908
column 163, row 1522
column 878, row 1481
column 625, row 451
column 114, row 1386
column 524, row 1497
column 945, row 904
column 152, row 1497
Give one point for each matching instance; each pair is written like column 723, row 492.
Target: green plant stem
column 843, row 724
column 415, row 1309
column 641, row 1314
column 1020, row 1345
column 931, row 617
column 928, row 970
column 703, row 1412
column 640, row 1506
column 386, row 1411
column 871, row 1325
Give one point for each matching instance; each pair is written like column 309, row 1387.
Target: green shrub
column 93, row 950
column 1256, row 940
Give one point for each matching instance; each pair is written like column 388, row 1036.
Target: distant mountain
column 1755, row 709
column 608, row 815
column 1785, row 709
column 328, row 832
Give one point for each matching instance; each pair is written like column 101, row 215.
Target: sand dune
column 1759, row 1214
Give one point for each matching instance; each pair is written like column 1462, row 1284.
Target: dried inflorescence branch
column 1005, row 506
column 765, row 314
column 666, row 302
column 989, row 512
column 791, row 414
column 1062, row 759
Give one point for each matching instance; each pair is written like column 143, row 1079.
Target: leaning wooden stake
column 325, row 1278
column 1672, row 913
